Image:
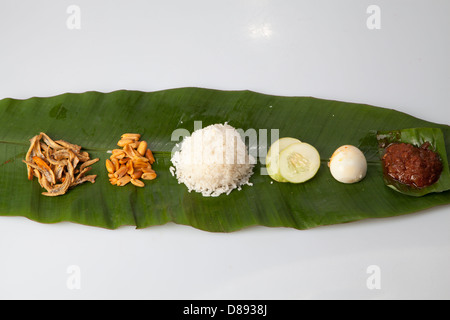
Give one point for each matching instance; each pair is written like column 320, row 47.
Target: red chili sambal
column 411, row 165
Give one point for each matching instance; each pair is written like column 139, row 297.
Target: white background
column 299, row 48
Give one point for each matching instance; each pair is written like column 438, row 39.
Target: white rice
column 213, row 160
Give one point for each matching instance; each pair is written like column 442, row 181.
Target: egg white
column 348, row 164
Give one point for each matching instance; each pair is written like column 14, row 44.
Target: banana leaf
column 96, row 121
column 417, row 137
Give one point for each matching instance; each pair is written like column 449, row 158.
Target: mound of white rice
column 213, row 160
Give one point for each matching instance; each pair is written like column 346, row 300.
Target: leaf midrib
column 165, row 154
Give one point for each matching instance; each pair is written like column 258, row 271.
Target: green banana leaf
column 417, row 137
column 96, row 121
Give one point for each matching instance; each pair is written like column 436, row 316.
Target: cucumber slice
column 299, row 162
column 272, row 158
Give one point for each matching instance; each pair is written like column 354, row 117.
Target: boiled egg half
column 348, row 164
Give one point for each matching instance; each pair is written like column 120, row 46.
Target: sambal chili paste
column 411, row 165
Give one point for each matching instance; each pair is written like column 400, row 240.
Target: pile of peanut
column 131, row 163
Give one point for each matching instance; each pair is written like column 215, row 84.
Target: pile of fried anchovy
column 58, row 165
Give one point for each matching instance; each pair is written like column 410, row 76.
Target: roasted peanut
column 131, row 136
column 138, row 183
column 131, row 163
column 121, row 172
column 124, row 180
column 149, row 156
column 148, row 175
column 124, row 142
column 110, row 166
column 130, row 167
column 142, row 148
column 115, row 163
column 136, row 174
